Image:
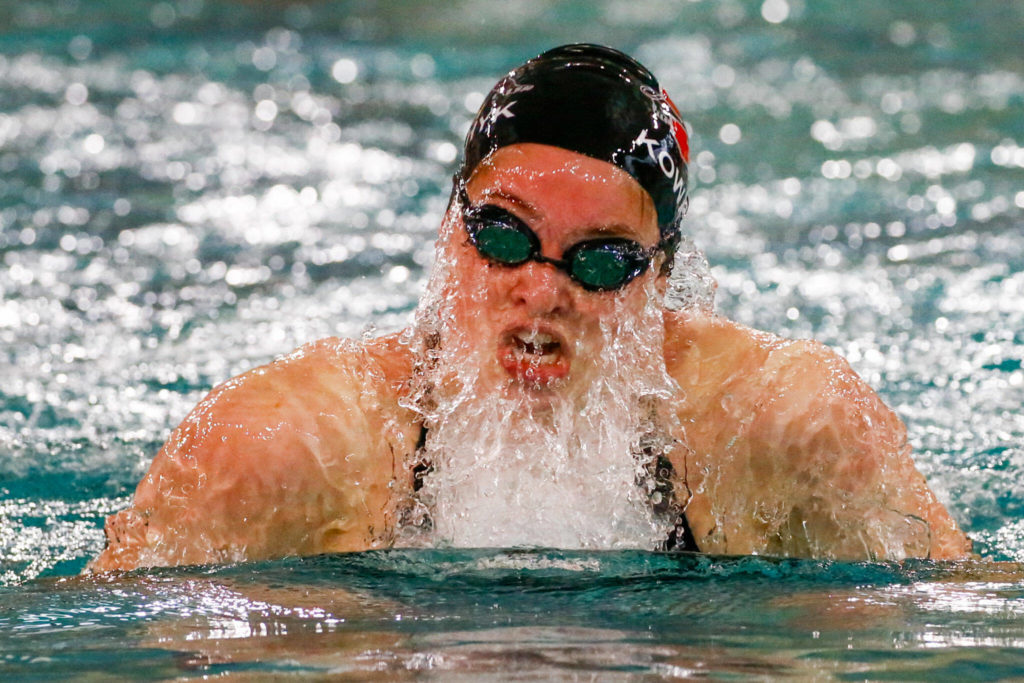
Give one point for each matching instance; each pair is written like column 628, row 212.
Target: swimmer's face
column 536, row 327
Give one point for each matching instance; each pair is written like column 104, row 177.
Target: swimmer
column 545, row 395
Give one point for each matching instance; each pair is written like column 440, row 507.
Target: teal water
column 190, row 188
column 514, row 615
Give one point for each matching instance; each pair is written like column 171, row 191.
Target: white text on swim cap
column 660, row 155
column 495, row 113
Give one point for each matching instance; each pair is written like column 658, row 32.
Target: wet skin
column 784, row 449
column 540, row 330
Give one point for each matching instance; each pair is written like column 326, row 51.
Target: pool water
column 506, row 615
column 190, row 188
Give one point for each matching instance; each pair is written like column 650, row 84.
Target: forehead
column 566, row 190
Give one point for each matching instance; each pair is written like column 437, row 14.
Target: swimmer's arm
column 291, row 458
column 856, row 491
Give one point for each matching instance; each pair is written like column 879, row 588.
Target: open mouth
column 542, row 346
column 534, row 356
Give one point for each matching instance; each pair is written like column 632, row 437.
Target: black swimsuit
column 679, row 539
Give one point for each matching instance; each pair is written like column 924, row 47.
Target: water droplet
column 76, row 94
column 80, row 47
column 730, row 134
column 775, row 11
column 344, row 71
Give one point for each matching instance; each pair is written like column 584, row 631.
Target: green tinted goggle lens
column 603, row 268
column 503, row 244
column 599, row 264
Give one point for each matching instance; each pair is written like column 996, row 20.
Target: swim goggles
column 596, row 264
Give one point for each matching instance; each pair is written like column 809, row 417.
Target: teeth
column 535, row 338
column 536, row 344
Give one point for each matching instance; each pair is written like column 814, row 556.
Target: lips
column 539, row 357
column 539, row 344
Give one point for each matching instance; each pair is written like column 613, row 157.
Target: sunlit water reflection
column 188, row 189
column 493, row 614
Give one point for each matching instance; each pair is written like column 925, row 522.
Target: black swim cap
column 595, row 101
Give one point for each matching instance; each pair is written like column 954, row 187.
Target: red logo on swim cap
column 678, row 128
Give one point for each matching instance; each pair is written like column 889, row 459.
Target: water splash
column 512, row 465
column 690, row 285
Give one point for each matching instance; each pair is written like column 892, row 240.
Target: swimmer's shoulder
column 330, row 406
column 797, row 399
column 326, row 374
column 706, row 352
column 329, row 399
column 731, row 374
column 708, row 349
column 296, row 456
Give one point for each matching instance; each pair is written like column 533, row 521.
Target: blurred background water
column 189, row 188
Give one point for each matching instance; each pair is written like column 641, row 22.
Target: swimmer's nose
column 541, row 288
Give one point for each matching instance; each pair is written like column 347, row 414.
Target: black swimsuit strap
column 422, row 468
column 681, row 537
